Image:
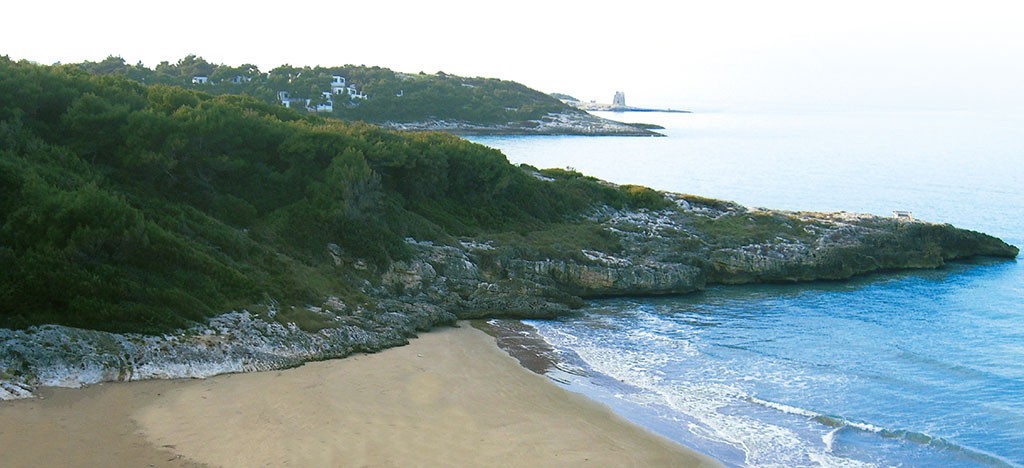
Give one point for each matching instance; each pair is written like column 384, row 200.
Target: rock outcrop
column 676, row 250
column 564, row 123
column 234, row 342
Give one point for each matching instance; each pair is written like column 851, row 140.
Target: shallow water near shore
column 918, row 368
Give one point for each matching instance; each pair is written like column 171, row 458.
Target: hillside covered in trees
column 132, row 207
column 229, row 234
column 141, row 207
column 370, row 94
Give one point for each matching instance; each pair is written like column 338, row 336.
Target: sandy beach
column 450, row 398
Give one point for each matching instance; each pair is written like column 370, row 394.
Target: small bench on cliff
column 903, row 215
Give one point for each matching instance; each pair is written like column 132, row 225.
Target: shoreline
column 450, row 397
column 555, row 124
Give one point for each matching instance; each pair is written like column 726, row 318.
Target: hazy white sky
column 683, row 54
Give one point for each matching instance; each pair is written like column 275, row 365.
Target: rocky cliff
column 690, row 244
column 676, row 251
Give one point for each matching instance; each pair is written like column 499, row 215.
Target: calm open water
column 921, row 368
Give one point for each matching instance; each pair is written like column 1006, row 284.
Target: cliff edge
column 678, row 249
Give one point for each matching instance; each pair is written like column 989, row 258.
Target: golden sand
column 450, row 398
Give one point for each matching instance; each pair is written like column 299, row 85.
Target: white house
column 354, row 93
column 337, row 84
column 903, row 215
column 326, row 105
column 287, row 100
column 200, row 79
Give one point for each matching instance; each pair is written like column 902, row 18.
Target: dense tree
column 392, row 96
column 109, row 66
column 139, row 207
column 192, row 65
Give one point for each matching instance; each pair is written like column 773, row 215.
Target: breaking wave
column 840, row 424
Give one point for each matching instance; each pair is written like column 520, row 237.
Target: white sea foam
column 707, row 405
column 836, row 421
column 650, row 340
column 784, row 408
column 762, row 443
column 829, row 438
column 827, row 460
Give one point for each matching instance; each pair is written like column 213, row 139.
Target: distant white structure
column 326, row 105
column 200, row 79
column 903, row 215
column 287, row 100
column 354, row 93
column 619, row 100
column 337, row 84
column 239, row 79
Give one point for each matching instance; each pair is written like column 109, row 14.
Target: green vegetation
column 744, row 227
column 563, row 97
column 645, row 197
column 391, row 96
column 558, row 241
column 132, row 207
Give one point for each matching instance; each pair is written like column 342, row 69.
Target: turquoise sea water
column 922, row 368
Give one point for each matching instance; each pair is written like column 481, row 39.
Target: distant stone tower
column 619, row 100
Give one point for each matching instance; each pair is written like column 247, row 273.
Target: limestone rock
column 672, row 251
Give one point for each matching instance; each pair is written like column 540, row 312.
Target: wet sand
column 450, row 398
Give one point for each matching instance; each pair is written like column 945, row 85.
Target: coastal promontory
column 152, row 231
column 395, row 100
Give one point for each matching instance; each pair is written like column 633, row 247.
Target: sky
column 721, row 54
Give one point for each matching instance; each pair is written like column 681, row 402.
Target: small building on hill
column 337, row 84
column 288, row 101
column 326, row 103
column 354, row 93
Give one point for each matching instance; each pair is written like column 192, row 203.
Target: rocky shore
column 566, row 123
column 693, row 243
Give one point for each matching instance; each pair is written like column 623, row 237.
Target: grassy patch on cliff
column 560, row 241
column 736, row 228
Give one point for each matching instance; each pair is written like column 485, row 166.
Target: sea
column 910, row 368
